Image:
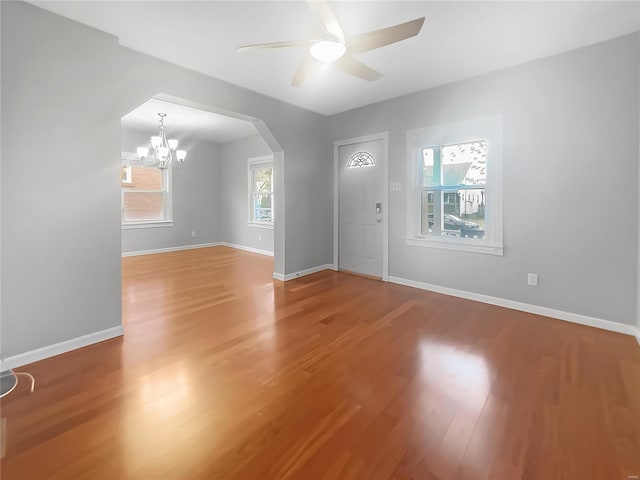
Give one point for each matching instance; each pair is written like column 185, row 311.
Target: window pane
column 262, row 208
column 463, row 213
column 141, row 206
column 464, row 164
column 262, row 180
column 427, row 211
column 126, row 176
column 429, row 177
column 143, row 178
column 361, row 159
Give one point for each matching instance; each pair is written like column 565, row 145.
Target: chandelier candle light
column 164, row 151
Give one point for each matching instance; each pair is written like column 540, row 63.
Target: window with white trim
column 455, row 197
column 260, row 170
column 146, row 194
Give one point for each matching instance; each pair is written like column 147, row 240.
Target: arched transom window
column 361, row 159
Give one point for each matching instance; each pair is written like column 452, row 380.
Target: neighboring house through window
column 146, row 194
column 260, row 170
column 455, row 199
column 453, row 180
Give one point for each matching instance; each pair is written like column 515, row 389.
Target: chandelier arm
column 175, row 162
column 149, row 159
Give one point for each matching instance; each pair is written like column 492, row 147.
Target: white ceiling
column 458, row 40
column 187, row 122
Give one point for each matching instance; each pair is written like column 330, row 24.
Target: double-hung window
column 260, row 171
column 455, row 197
column 146, row 194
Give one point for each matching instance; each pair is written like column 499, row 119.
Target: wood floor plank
column 225, row 373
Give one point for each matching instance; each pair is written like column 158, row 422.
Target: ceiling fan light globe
column 327, row 51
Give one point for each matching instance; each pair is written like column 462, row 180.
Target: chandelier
column 164, row 151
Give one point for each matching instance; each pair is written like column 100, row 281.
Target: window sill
column 268, row 226
column 457, row 244
column 132, row 225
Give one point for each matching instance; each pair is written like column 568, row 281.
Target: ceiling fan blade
column 322, row 10
column 350, row 65
column 262, row 46
column 304, row 71
column 385, row 36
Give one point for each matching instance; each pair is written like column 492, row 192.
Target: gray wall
column 310, row 222
column 60, row 221
column 234, row 194
column 570, row 167
column 195, row 196
column 66, row 85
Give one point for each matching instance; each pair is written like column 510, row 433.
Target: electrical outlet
column 532, row 279
column 259, row 236
column 394, row 186
column 193, row 233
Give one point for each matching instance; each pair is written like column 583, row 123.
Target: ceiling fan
column 328, row 43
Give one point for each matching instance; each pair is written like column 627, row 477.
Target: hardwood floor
column 224, row 373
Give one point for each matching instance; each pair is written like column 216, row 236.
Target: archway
column 278, row 167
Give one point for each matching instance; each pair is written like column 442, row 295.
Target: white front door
column 360, row 207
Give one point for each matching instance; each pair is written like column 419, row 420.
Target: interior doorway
column 204, row 201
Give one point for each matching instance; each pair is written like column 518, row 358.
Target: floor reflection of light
column 137, row 291
column 264, row 297
column 164, row 405
column 461, row 375
column 461, row 378
column 264, row 306
column 158, row 395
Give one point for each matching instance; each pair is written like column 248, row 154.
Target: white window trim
column 487, row 128
column 255, row 163
column 131, row 160
column 263, row 224
column 149, row 224
column 126, row 180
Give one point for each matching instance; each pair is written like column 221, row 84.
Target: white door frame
column 384, row 136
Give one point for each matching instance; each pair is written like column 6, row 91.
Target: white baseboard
column 302, row 273
column 62, row 347
column 524, row 307
column 638, row 335
column 247, row 249
column 170, row 249
column 199, row 245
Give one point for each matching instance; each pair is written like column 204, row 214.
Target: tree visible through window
column 261, row 191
